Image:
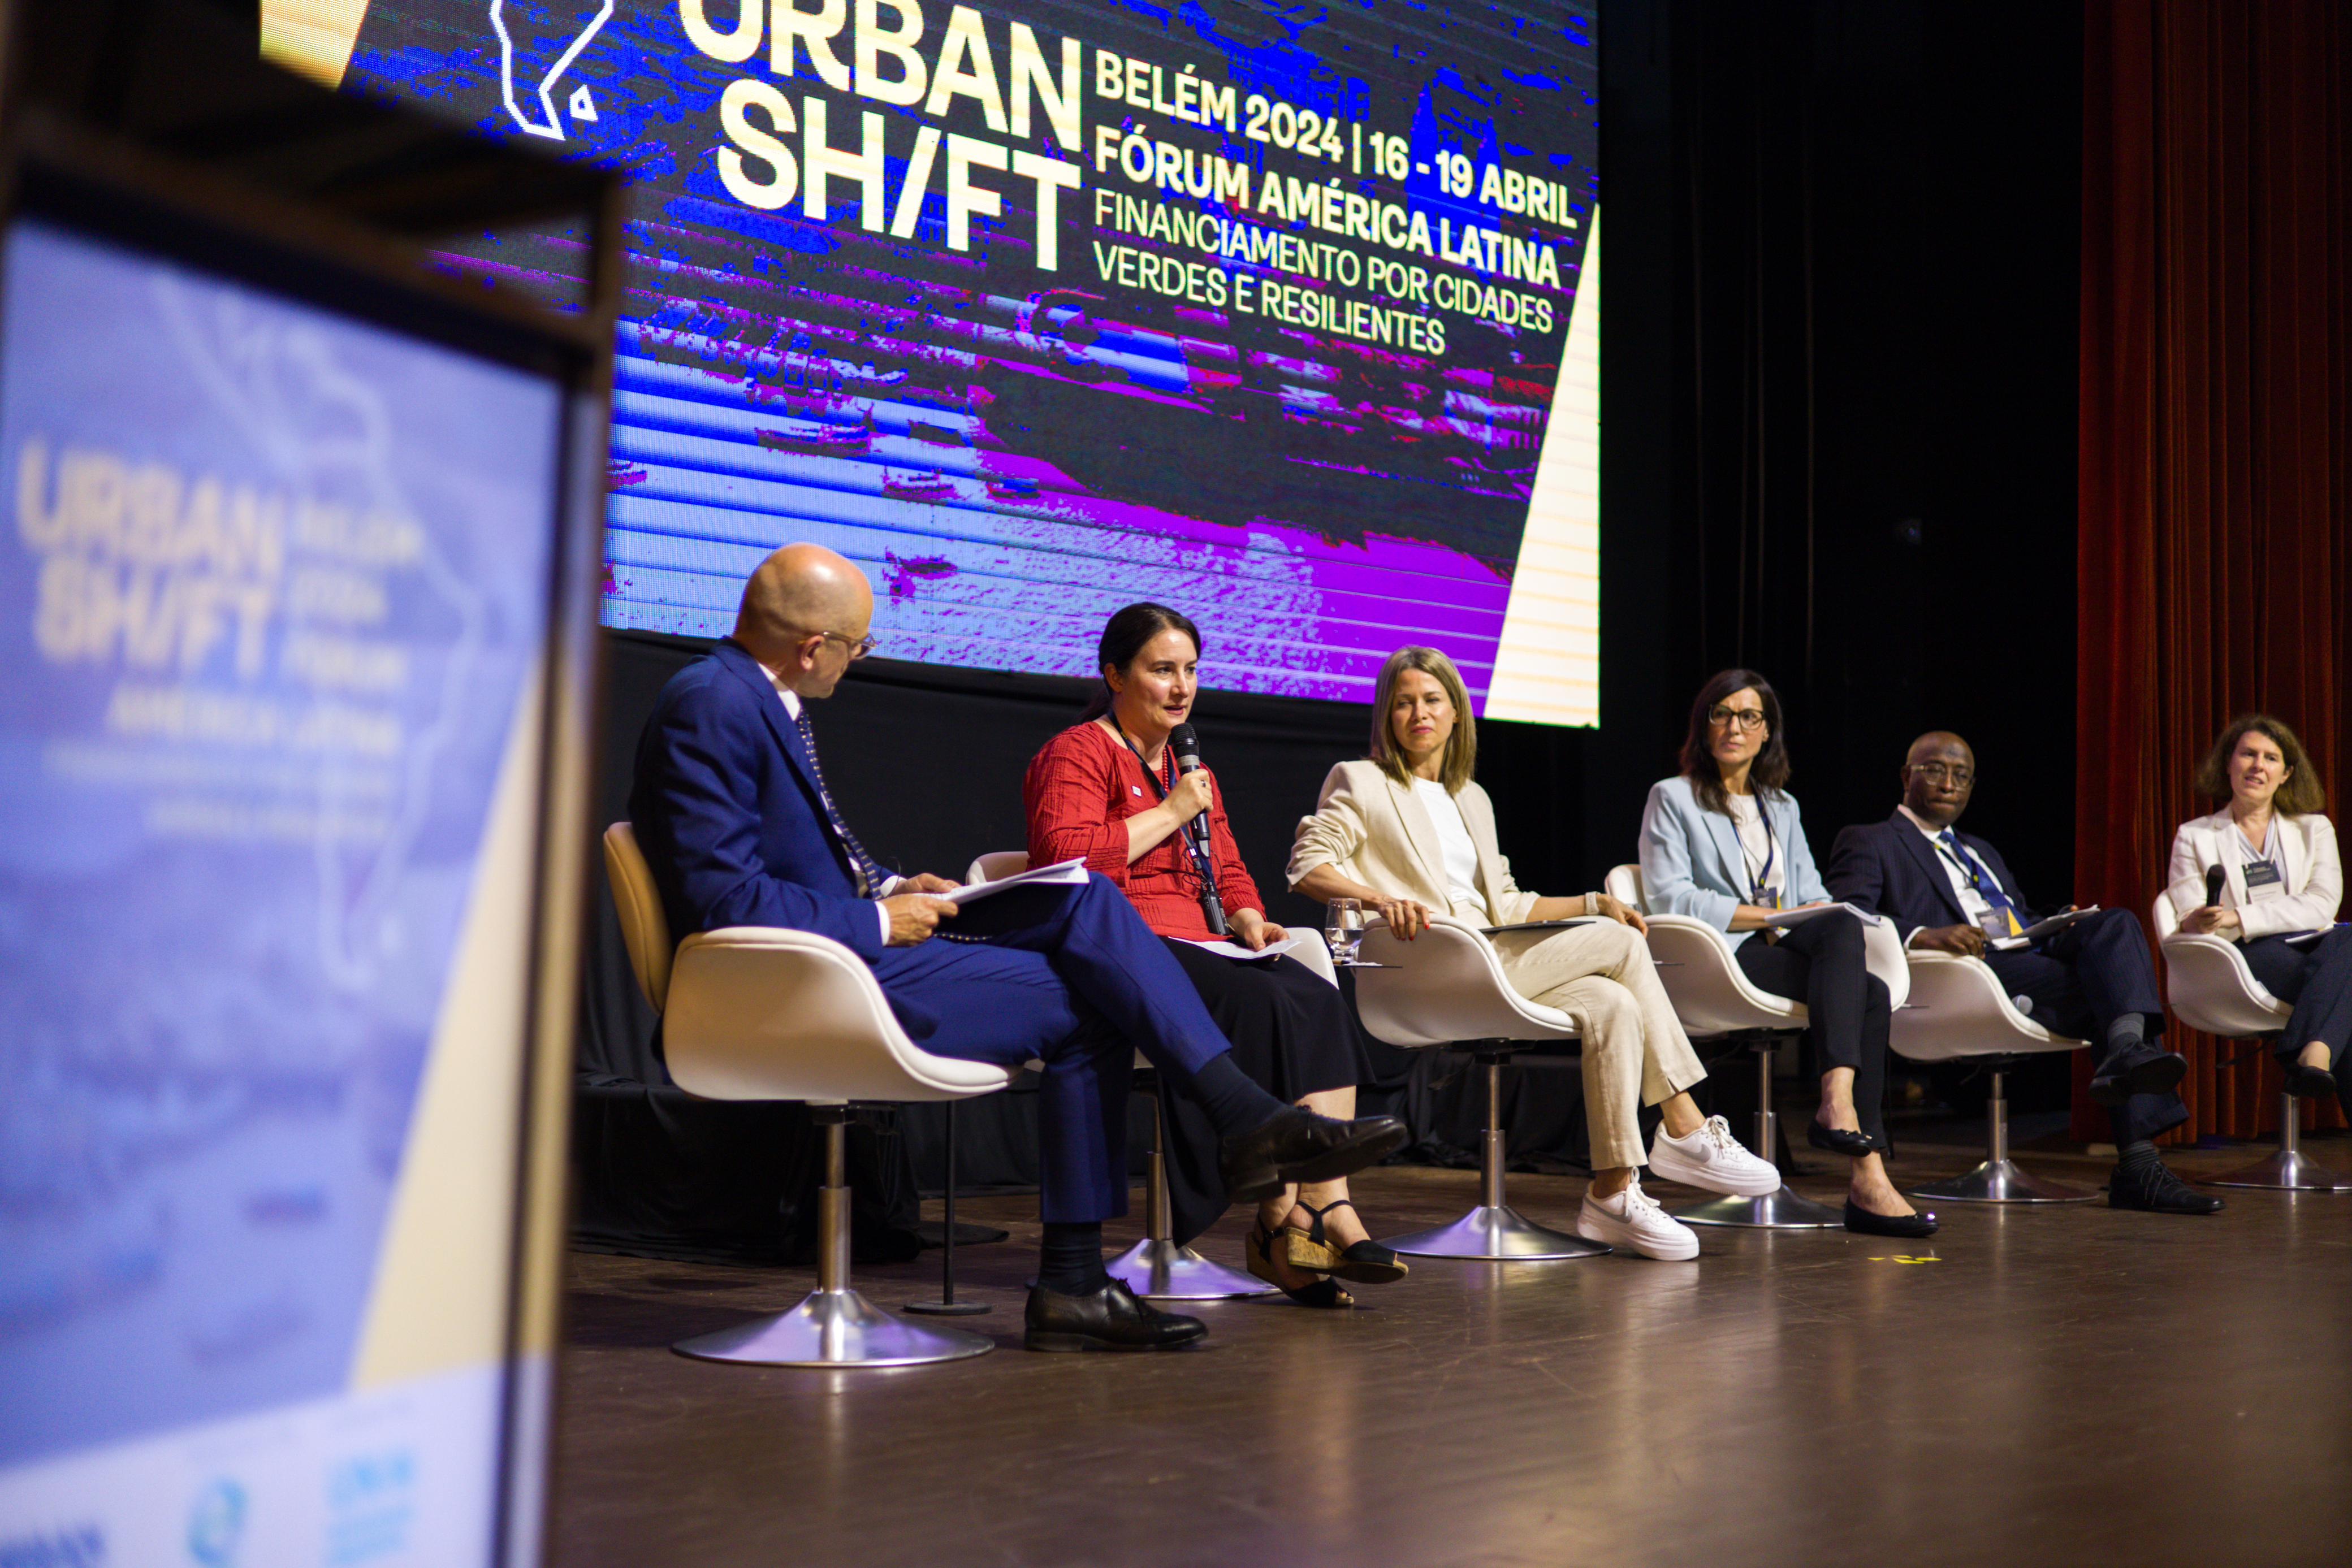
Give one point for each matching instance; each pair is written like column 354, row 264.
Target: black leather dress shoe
column 2309, row 1082
column 2157, row 1190
column 1297, row 1145
column 1907, row 1226
column 1110, row 1319
column 1838, row 1141
column 2142, row 1070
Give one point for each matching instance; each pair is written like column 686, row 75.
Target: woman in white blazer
column 2280, row 877
column 1724, row 842
column 1408, row 831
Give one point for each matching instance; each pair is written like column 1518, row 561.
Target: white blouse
column 1756, row 846
column 1453, row 841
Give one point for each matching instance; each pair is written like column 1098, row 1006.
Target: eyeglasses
column 1941, row 773
column 1746, row 717
column 858, row 646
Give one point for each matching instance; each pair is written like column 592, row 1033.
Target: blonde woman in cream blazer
column 2281, row 876
column 1408, row 831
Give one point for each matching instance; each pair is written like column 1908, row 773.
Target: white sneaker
column 1711, row 1158
column 1631, row 1220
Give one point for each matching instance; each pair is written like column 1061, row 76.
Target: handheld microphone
column 1186, row 745
column 2213, row 882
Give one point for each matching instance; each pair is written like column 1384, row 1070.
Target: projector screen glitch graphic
column 1287, row 316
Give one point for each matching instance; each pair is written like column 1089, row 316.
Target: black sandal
column 1367, row 1262
column 1325, row 1292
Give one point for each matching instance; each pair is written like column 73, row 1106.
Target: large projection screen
column 1286, row 316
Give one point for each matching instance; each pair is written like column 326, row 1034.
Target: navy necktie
column 1986, row 888
column 870, row 876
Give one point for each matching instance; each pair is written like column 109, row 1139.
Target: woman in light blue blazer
column 1724, row 842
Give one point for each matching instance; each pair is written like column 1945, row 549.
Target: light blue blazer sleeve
column 1805, row 884
column 1680, row 870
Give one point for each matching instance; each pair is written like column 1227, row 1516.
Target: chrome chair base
column 834, row 1328
column 1495, row 1233
column 1165, row 1272
column 1781, row 1210
column 1156, row 1266
column 2000, row 1181
column 2287, row 1171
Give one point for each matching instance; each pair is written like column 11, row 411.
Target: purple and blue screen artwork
column 1285, row 316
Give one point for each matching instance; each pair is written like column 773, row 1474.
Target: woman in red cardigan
column 1108, row 790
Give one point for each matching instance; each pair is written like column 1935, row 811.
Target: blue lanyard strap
column 1198, row 860
column 1947, row 844
column 1757, row 892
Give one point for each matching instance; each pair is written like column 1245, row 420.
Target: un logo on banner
column 215, row 1524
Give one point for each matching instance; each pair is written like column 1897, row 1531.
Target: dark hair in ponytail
column 1124, row 636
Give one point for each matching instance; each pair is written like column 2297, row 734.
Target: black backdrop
column 1838, row 447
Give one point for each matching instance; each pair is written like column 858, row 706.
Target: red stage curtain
column 2216, row 541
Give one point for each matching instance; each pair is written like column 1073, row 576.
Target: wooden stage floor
column 2067, row 1385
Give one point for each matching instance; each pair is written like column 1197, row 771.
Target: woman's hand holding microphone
column 1188, row 799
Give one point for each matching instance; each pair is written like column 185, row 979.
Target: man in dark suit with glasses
column 1950, row 892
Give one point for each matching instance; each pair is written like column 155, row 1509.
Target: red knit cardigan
column 1080, row 790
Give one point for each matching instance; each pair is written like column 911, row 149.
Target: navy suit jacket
column 726, row 809
column 1890, row 868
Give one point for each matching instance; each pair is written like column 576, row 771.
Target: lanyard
column 2250, row 857
column 1199, row 862
column 1983, row 884
column 1757, row 892
column 1965, row 864
column 1979, row 881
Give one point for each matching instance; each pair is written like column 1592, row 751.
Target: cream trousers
column 1635, row 1053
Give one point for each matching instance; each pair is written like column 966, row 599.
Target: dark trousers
column 1291, row 1032
column 1819, row 963
column 2081, row 980
column 2318, row 980
column 1071, row 977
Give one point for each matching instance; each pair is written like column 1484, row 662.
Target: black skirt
column 1291, row 1032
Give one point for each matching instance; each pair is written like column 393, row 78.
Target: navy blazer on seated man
column 2091, row 980
column 733, row 813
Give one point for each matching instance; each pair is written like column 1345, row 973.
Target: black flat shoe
column 2147, row 1070
column 1295, row 1145
column 1110, row 1319
column 1838, row 1141
column 1322, row 1292
column 1365, row 1262
column 2309, row 1082
column 2154, row 1189
column 1906, row 1227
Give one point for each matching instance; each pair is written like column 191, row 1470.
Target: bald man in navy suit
column 733, row 809
column 1951, row 891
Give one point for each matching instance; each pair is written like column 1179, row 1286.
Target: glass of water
column 1343, row 926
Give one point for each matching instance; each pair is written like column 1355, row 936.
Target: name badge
column 2264, row 881
column 1995, row 923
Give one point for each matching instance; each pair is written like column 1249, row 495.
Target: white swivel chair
column 1959, row 1011
column 2210, row 988
column 1447, row 988
column 752, row 1013
column 1717, row 1002
column 1156, row 1266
